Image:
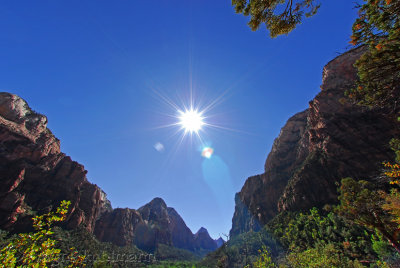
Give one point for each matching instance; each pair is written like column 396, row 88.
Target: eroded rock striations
column 330, row 140
column 35, row 176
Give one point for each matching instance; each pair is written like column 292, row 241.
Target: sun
column 191, row 121
column 192, row 116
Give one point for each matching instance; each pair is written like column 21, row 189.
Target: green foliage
column 279, row 16
column 164, row 252
column 3, row 238
column 95, row 251
column 102, row 262
column 324, row 256
column 381, row 246
column 362, row 204
column 395, row 145
column 244, row 249
column 264, row 261
column 378, row 27
column 38, row 249
column 174, row 264
column 301, row 231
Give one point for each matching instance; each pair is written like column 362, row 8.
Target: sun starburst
column 192, row 116
column 191, row 121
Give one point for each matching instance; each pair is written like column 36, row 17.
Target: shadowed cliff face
column 316, row 148
column 203, row 240
column 35, row 176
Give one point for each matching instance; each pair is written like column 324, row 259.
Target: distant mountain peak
column 157, row 201
column 202, row 230
column 220, row 241
column 203, row 239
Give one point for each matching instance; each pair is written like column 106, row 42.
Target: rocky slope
column 35, row 176
column 330, row 140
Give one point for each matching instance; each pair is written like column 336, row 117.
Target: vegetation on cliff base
column 38, row 249
column 303, row 239
column 362, row 204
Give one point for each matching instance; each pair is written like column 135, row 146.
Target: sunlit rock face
column 330, row 140
column 35, row 176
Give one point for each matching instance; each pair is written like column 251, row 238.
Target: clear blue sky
column 96, row 69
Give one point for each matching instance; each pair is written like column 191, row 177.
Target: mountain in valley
column 149, row 226
column 203, row 239
column 35, row 176
column 316, row 148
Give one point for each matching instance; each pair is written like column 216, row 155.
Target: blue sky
column 97, row 69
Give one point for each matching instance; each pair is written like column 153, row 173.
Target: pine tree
column 279, row 16
column 378, row 27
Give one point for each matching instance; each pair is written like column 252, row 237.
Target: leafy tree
column 243, row 250
column 395, row 145
column 264, row 261
column 38, row 249
column 279, row 16
column 378, row 27
column 392, row 199
column 324, row 256
column 301, row 231
column 363, row 205
column 381, row 246
column 102, row 262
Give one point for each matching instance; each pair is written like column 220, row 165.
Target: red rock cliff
column 35, row 176
column 330, row 140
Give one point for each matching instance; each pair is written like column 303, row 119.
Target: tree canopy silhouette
column 279, row 16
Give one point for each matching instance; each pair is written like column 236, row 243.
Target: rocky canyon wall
column 316, row 148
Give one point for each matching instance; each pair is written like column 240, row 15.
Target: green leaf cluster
column 38, row 249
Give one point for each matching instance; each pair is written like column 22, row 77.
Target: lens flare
column 159, row 147
column 207, row 152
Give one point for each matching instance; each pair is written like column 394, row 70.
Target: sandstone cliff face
column 35, row 176
column 330, row 140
